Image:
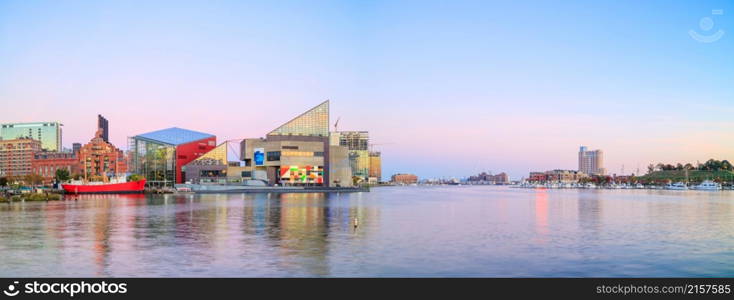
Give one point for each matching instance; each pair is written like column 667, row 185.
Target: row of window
column 275, row 155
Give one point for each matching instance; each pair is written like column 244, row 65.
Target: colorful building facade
column 297, row 153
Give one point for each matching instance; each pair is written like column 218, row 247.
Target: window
column 273, row 156
column 318, row 154
column 290, row 147
column 246, row 173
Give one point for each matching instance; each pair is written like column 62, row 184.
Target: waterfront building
column 357, row 142
column 16, row 156
column 101, row 159
column 375, row 167
column 404, row 178
column 565, row 176
column 104, row 125
column 214, row 166
column 46, row 164
column 297, row 153
column 48, row 133
column 488, row 178
column 159, row 156
column 558, row 176
column 591, row 161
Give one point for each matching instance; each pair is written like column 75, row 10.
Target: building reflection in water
column 124, row 233
column 541, row 214
column 589, row 210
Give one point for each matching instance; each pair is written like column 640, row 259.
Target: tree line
column 709, row 165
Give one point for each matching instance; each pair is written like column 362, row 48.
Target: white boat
column 708, row 185
column 639, row 186
column 676, row 186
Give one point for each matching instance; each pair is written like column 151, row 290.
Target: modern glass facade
column 49, row 133
column 153, row 160
column 159, row 156
column 314, row 122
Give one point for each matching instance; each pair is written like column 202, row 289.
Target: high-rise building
column 16, row 156
column 357, row 142
column 76, row 147
column 159, row 156
column 104, row 125
column 49, row 133
column 376, row 166
column 591, row 161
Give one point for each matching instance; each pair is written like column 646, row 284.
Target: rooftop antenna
column 336, row 124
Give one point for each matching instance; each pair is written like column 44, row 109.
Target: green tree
column 679, row 167
column 62, row 175
column 650, row 168
column 726, row 165
column 134, row 177
column 3, row 181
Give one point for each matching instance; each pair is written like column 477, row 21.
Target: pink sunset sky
column 448, row 90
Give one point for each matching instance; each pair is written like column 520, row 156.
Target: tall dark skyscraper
column 76, row 147
column 103, row 124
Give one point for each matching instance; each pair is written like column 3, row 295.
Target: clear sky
column 450, row 88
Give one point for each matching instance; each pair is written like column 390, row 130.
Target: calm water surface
column 403, row 231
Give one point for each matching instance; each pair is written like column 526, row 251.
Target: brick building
column 404, row 178
column 47, row 163
column 16, row 156
column 100, row 158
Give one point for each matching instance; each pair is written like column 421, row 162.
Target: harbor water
column 415, row 231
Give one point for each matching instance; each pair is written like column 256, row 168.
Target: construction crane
column 336, row 124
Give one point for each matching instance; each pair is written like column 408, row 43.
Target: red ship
column 105, row 188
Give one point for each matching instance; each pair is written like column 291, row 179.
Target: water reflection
column 474, row 231
column 541, row 214
column 589, row 210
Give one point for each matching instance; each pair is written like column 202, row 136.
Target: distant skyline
column 450, row 88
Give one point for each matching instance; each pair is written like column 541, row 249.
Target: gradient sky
column 451, row 88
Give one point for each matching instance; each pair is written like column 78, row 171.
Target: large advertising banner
column 302, row 174
column 259, row 156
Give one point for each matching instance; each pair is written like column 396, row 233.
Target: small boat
column 708, row 185
column 105, row 188
column 676, row 186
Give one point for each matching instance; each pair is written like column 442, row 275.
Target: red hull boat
column 106, row 188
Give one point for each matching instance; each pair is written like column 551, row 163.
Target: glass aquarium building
column 160, row 155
